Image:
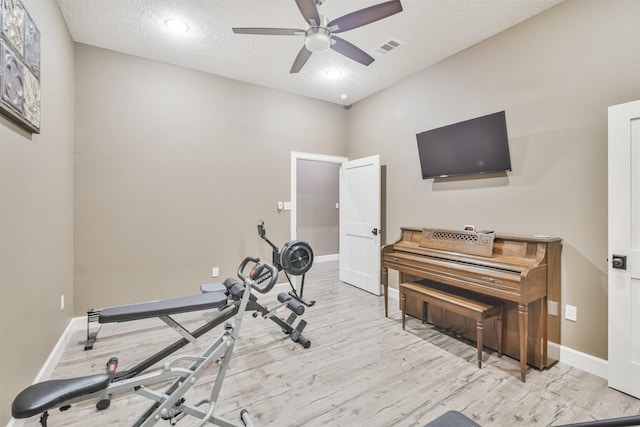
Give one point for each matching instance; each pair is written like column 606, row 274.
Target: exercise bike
column 169, row 405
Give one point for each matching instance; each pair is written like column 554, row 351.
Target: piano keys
column 523, row 271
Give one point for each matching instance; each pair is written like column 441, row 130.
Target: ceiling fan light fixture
column 317, row 39
column 333, row 74
column 176, row 26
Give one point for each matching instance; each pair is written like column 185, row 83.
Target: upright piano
column 523, row 271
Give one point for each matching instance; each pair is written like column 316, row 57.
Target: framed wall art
column 19, row 66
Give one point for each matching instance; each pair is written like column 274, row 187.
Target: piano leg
column 523, row 321
column 424, row 312
column 499, row 331
column 385, row 286
column 403, row 301
column 479, row 328
column 545, row 332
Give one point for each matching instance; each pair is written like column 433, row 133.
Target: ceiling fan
column 319, row 35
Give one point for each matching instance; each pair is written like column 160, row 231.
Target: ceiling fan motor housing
column 317, row 39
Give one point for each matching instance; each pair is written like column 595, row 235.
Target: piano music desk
column 458, row 301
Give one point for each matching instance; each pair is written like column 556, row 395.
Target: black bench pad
column 43, row 396
column 165, row 307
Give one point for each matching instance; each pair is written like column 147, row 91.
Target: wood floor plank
column 362, row 369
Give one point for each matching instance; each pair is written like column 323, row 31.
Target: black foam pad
column 218, row 287
column 213, row 287
column 42, row 396
column 165, row 307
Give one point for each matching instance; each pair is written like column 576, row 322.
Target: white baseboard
column 75, row 324
column 569, row 356
column 393, row 293
column 327, row 258
column 584, row 362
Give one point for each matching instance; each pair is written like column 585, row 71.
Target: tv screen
column 471, row 147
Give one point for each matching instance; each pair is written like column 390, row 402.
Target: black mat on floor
column 452, row 419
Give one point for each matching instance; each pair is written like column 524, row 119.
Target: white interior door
column 360, row 223
column 624, row 241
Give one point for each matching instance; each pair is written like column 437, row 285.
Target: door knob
column 374, row 231
column 619, row 261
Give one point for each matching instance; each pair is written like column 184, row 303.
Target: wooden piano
column 523, row 271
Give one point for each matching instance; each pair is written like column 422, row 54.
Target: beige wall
column 318, row 192
column 36, row 222
column 174, row 168
column 555, row 75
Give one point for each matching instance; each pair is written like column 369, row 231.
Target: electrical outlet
column 570, row 312
column 215, row 272
column 62, row 302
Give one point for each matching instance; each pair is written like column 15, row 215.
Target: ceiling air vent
column 388, row 46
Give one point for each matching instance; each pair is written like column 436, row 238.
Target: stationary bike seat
column 46, row 395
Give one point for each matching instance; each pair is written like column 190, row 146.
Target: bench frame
column 465, row 303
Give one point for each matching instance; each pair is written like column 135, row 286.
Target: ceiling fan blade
column 301, row 59
column 365, row 16
column 351, row 51
column 269, row 31
column 309, row 11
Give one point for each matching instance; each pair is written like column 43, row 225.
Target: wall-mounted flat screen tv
column 475, row 146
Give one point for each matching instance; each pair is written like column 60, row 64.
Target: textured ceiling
column 429, row 30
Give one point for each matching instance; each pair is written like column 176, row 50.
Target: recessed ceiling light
column 333, row 74
column 176, row 26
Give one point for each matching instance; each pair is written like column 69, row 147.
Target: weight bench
column 171, row 404
column 223, row 296
column 42, row 396
column 161, row 308
column 225, row 299
column 465, row 303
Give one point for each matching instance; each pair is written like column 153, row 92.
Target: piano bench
column 466, row 303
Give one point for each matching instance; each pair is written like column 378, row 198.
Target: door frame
column 295, row 156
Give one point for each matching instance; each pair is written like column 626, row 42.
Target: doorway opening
column 315, row 202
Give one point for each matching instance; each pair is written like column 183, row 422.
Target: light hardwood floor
column 362, row 369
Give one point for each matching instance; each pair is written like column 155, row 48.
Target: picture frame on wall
column 19, row 66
